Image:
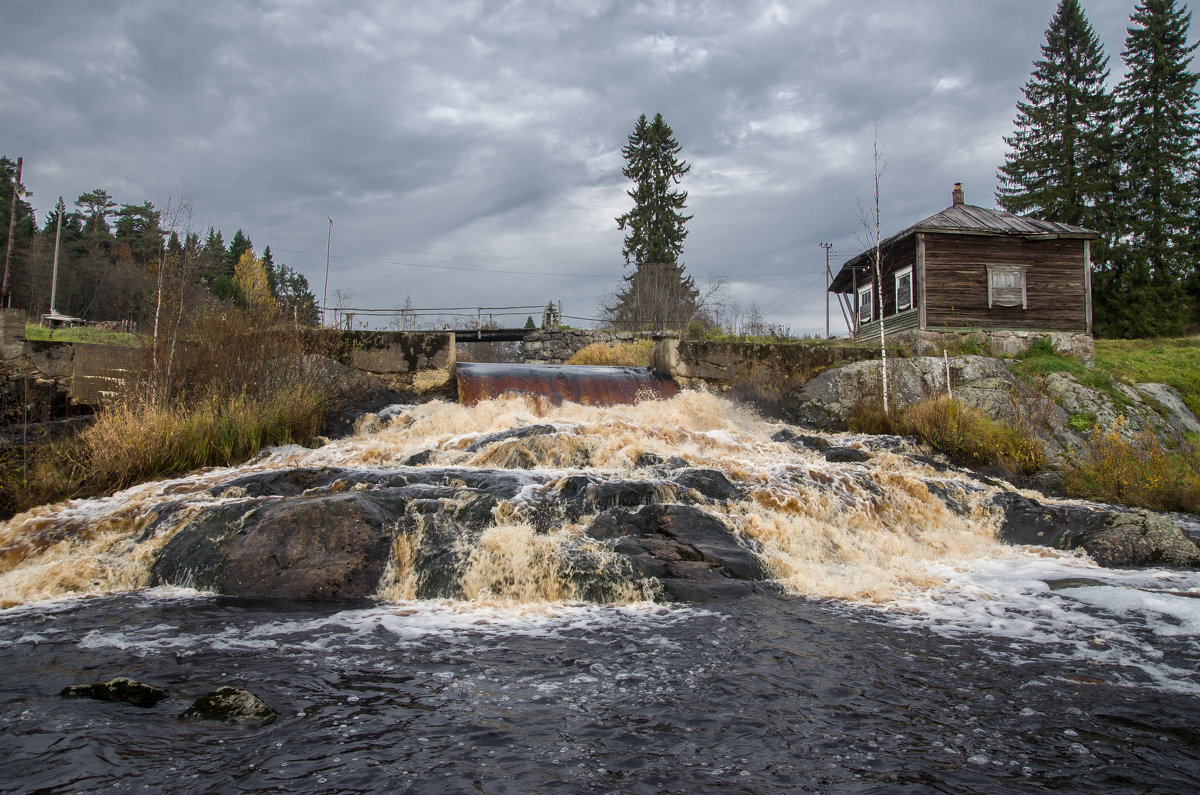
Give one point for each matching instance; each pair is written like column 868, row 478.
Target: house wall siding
column 956, row 294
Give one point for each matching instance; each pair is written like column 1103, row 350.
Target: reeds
column 618, row 354
column 235, row 387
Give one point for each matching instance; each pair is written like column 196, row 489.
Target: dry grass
column 620, row 354
column 237, row 386
column 960, row 431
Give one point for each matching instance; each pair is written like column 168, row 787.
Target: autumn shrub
column 619, row 354
column 1133, row 469
column 960, row 431
column 967, row 434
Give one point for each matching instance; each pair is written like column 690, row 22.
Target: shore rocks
column 1116, row 539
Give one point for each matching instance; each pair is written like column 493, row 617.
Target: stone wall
column 724, row 365
column 995, row 343
column 416, row 362
column 558, row 345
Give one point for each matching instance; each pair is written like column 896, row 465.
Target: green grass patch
column 89, row 334
column 1174, row 361
column 1040, row 360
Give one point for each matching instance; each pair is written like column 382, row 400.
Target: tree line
column 125, row 262
column 1123, row 161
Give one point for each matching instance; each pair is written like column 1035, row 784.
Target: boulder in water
column 1116, row 539
column 329, row 546
column 122, row 689
column 230, row 705
column 694, row 555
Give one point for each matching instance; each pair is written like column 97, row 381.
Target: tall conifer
column 1059, row 167
column 1157, row 110
column 656, row 223
column 658, row 294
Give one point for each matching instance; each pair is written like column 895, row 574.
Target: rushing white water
column 863, row 532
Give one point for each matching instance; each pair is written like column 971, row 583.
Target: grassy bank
column 239, row 385
column 89, row 334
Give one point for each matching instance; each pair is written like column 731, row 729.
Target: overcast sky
column 469, row 152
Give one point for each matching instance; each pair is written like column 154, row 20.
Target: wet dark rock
column 711, row 483
column 647, row 460
column 293, row 482
column 419, row 459
column 627, row 493
column 788, row 436
column 694, row 555
column 1116, row 539
column 373, row 397
column 122, row 689
column 231, row 705
column 515, row 433
column 957, row 495
column 317, row 547
column 846, row 455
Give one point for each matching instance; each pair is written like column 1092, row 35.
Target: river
column 906, row 650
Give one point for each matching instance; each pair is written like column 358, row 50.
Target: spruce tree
column 656, row 223
column 1157, row 110
column 658, row 293
column 1060, row 167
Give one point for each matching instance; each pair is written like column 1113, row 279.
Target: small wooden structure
column 971, row 269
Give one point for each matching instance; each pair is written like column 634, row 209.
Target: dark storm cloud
column 461, row 146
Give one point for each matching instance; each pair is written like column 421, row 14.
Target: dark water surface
column 762, row 695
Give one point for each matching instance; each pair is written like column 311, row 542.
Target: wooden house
column 969, row 269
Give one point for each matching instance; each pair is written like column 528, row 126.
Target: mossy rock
column 230, row 705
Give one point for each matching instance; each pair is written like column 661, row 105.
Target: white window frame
column 866, row 303
column 994, row 271
column 900, row 274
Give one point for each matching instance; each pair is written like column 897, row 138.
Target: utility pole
column 325, row 296
column 5, row 301
column 826, row 246
column 57, row 240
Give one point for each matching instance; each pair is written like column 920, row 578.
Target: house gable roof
column 967, row 219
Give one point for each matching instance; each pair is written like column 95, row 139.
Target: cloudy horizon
column 469, row 153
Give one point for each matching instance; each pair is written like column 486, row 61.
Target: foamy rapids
column 868, row 532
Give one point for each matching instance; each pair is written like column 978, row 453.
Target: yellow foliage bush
column 620, row 354
column 1133, row 470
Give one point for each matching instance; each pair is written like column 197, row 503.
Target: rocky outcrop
column 330, row 533
column 1113, row 538
column 826, row 401
column 122, row 689
column 694, row 556
column 330, row 546
column 231, row 705
column 1061, row 407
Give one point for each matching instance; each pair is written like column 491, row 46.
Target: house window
column 904, row 290
column 1006, row 286
column 866, row 304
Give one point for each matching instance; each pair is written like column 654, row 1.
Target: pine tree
column 96, row 207
column 1059, row 166
column 658, row 294
column 1157, row 110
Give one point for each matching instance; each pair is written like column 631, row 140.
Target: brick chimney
column 956, row 196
